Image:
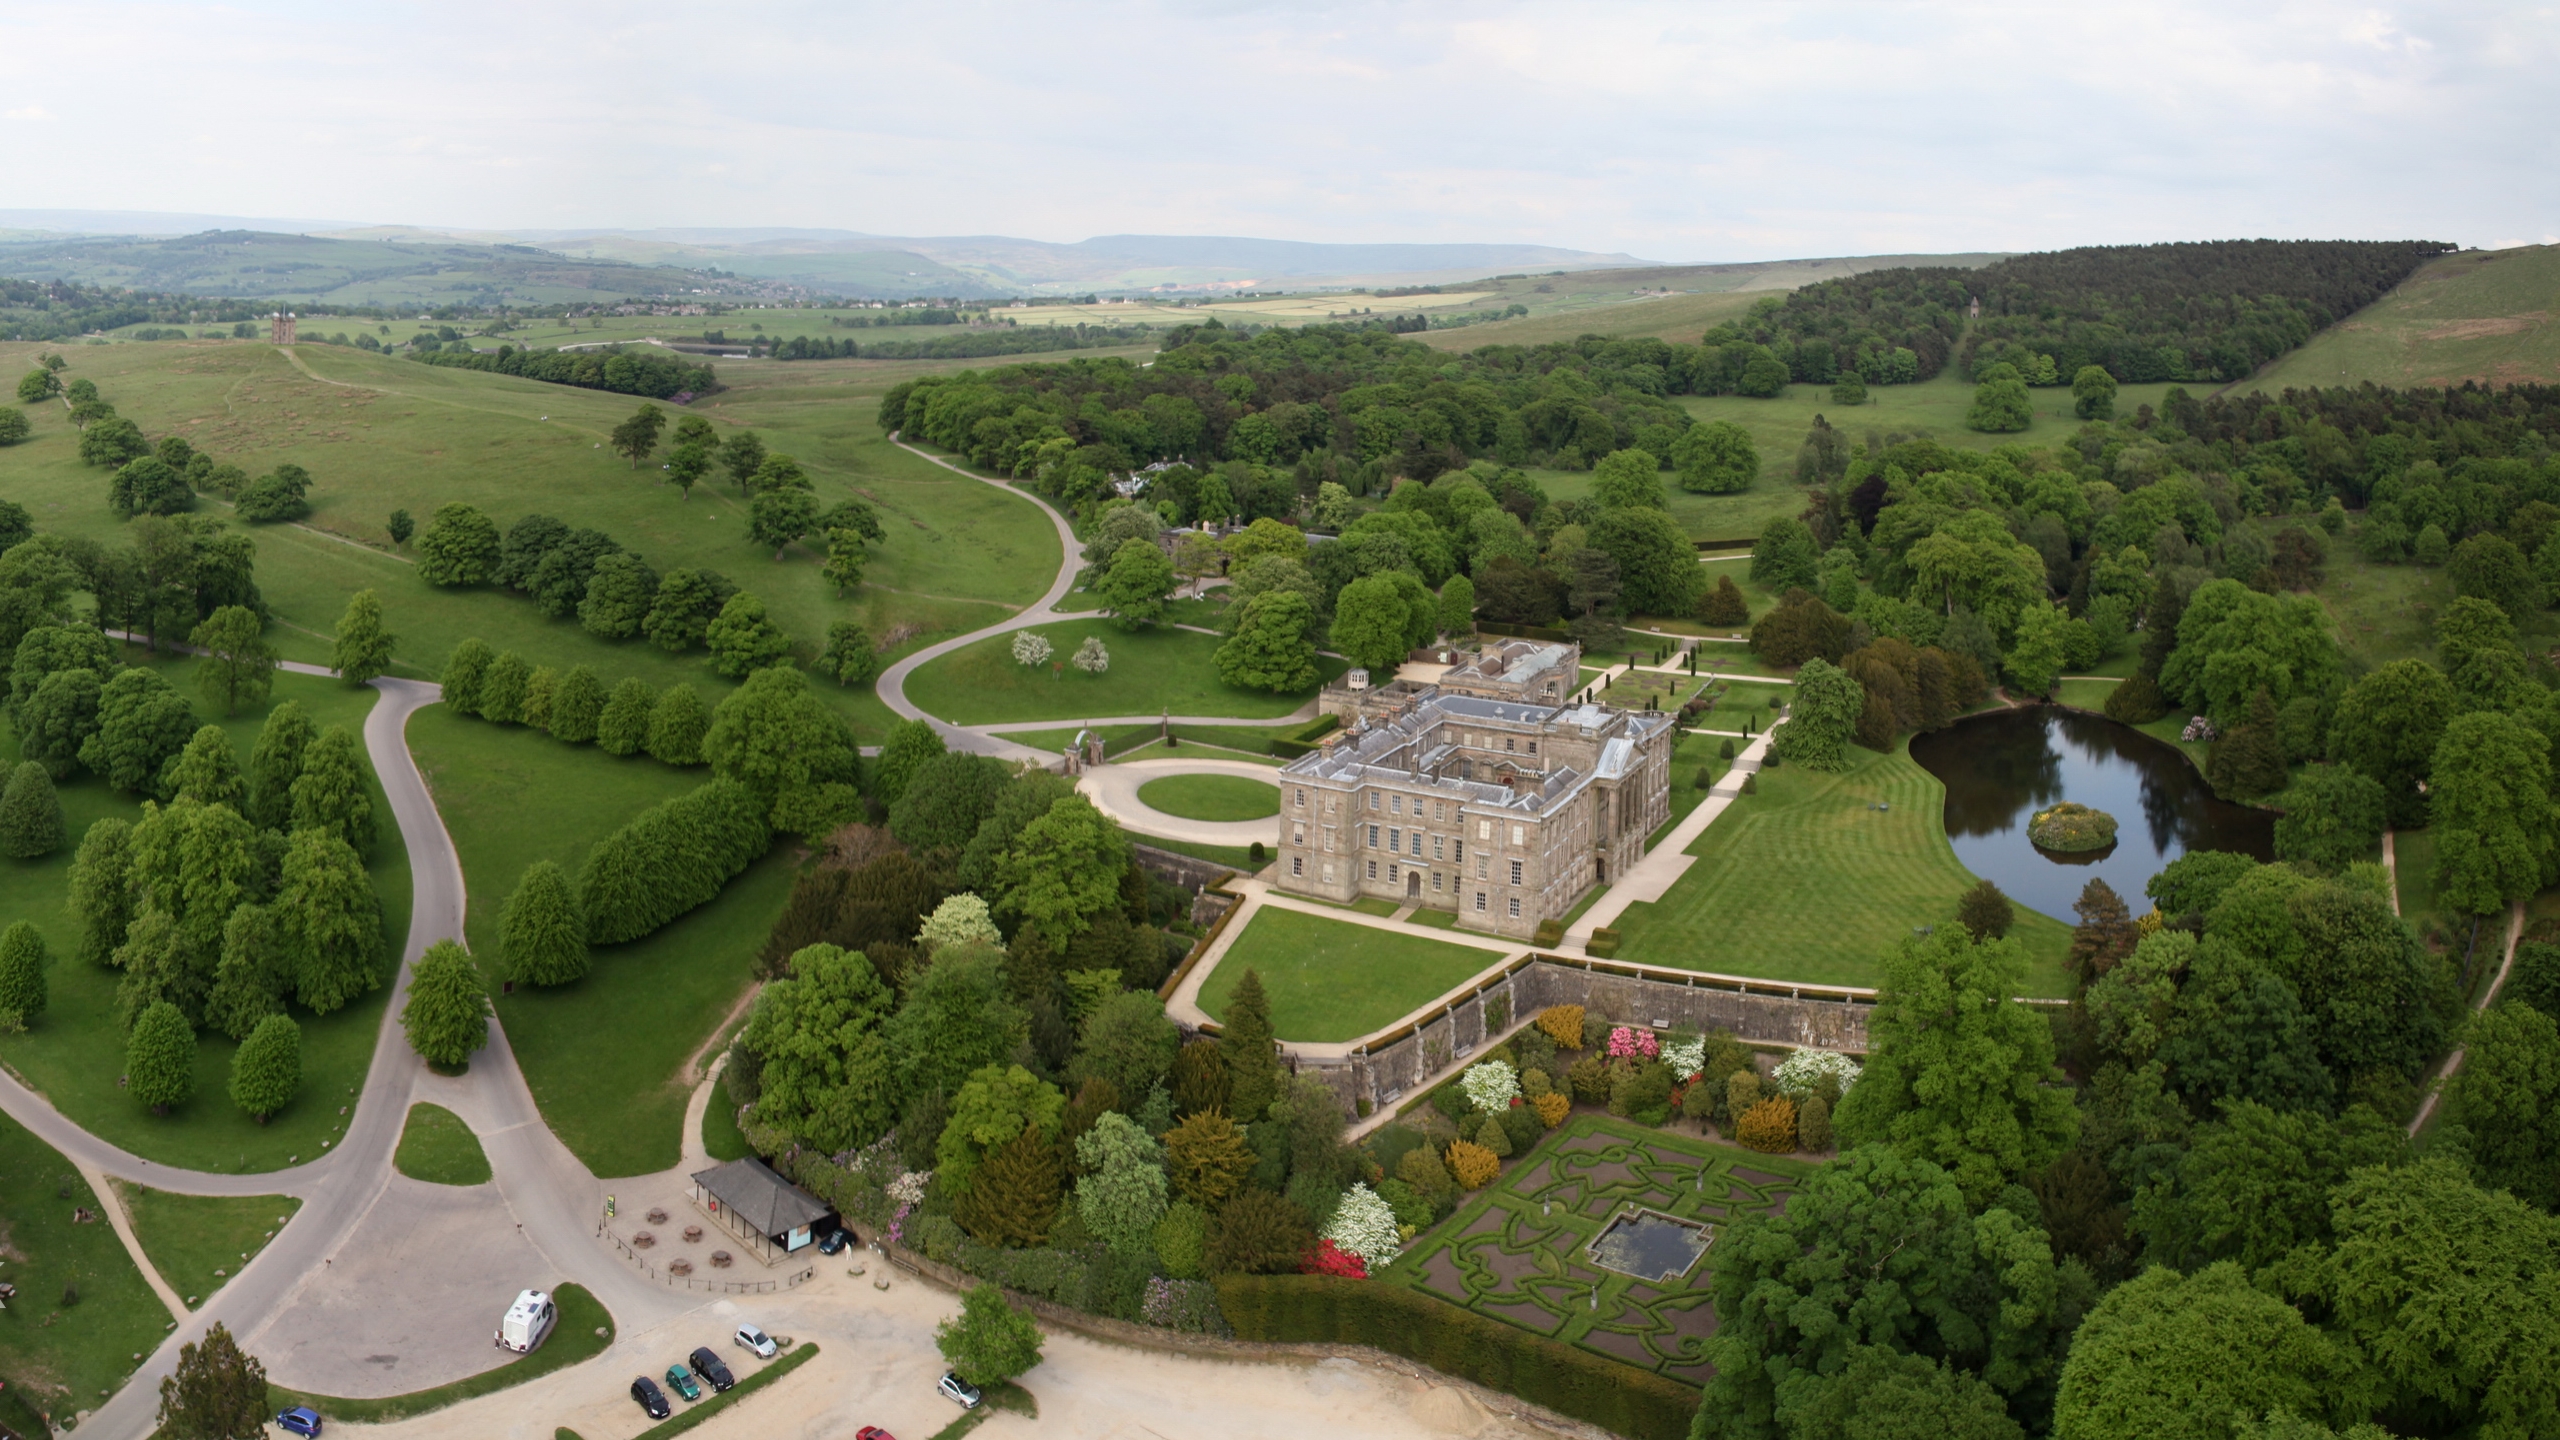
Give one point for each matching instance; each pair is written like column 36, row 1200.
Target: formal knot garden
column 1599, row 1239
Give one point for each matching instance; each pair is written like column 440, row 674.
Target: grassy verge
column 1212, row 797
column 435, row 1146
column 1159, row 670
column 721, row 1136
column 1193, row 748
column 75, row 1053
column 1330, row 981
column 1007, row 1396
column 604, row 1056
column 197, row 1242
column 686, row 1419
column 1805, row 880
column 83, row 1307
column 574, row 1339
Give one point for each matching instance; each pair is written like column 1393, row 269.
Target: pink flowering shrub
column 1629, row 1043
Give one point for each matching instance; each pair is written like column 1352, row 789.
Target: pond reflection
column 2001, row 768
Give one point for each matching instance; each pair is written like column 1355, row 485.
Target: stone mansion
column 1491, row 792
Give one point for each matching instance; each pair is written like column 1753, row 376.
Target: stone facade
column 1502, row 811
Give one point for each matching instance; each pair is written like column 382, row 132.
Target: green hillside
column 2482, row 315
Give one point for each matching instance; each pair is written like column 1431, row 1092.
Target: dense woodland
column 622, row 371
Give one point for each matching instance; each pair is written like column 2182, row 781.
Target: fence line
column 705, row 1285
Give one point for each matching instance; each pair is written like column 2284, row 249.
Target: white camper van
column 528, row 1320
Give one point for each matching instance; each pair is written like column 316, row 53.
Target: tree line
column 613, row 367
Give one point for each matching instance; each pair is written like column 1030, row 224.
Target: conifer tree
column 208, row 770
column 466, row 672
column 101, row 888
column 577, row 706
column 331, row 794
column 30, row 814
column 1724, row 605
column 623, row 727
column 275, row 762
column 218, row 1393
column 1013, row 1195
column 363, row 648
column 677, row 725
column 448, row 1011
column 255, row 973
column 1244, row 1042
column 501, row 696
column 267, row 1069
column 22, row 984
column 540, row 689
column 542, row 939
column 160, row 1057
column 336, row 922
column 1199, row 1080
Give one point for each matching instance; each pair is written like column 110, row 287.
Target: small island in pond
column 2072, row 828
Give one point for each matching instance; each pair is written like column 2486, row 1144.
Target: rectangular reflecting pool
column 1650, row 1245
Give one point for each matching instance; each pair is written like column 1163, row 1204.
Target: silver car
column 753, row 1339
column 959, row 1391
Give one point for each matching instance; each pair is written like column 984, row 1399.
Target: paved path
column 1114, row 791
column 1669, row 859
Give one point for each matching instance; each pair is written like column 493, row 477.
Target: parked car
column 757, row 1341
column 960, row 1391
column 873, row 1432
column 713, row 1373
column 300, row 1420
column 681, row 1381
column 834, row 1241
column 651, row 1398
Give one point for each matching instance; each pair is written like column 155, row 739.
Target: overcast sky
column 1691, row 131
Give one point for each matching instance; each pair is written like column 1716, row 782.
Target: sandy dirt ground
column 877, row 1364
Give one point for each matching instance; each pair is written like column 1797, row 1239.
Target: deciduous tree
column 30, row 814
column 335, row 920
column 637, row 436
column 22, row 984
column 1716, row 458
column 1270, row 649
column 988, row 1342
column 332, row 795
column 743, row 641
column 447, row 1016
column 459, row 548
column 542, row 937
column 267, row 1069
column 2171, row 1354
column 160, row 1057
column 2389, row 725
column 676, row 726
column 142, row 723
column 829, row 1079
column 1627, row 477
column 577, row 705
column 622, row 728
column 2490, row 798
column 1133, row 586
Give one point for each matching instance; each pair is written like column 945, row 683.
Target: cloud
column 27, row 112
column 1669, row 130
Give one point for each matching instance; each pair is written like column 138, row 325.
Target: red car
column 873, row 1432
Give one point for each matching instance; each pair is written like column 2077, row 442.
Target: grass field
column 62, row 1356
column 1806, row 881
column 76, row 1052
column 379, row 434
column 2389, row 612
column 603, row 1056
column 584, row 1331
column 1330, row 981
column 720, row 1133
column 435, row 1146
column 1211, row 797
column 2477, row 315
column 197, row 1242
column 1153, row 671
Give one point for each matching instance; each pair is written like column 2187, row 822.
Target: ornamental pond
column 2001, row 768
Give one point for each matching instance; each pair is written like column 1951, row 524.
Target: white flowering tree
column 959, row 920
column 1365, row 1225
column 1686, row 1057
column 1800, row 1072
column 1090, row 657
column 1492, row 1085
column 1031, row 648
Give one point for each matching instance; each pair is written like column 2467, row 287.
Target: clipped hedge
column 1320, row 1309
column 672, row 857
column 1302, row 741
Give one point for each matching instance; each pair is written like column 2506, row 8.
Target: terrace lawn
column 1211, row 797
column 1153, row 671
column 189, row 1237
column 75, row 1052
column 1806, row 881
column 605, row 1057
column 437, row 1147
column 1331, row 981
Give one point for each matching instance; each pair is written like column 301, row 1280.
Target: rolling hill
column 2484, row 315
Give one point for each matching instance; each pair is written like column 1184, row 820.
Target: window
column 1417, row 844
column 1298, row 836
column 1480, row 867
column 1461, row 854
column 1302, row 799
column 1373, row 837
column 1510, row 743
column 1515, row 872
column 1297, row 864
column 1395, row 804
column 1373, row 799
column 1435, row 879
column 1395, row 839
column 1484, row 829
column 1392, row 876
column 1439, row 811
column 1438, row 847
column 1479, row 900
column 1328, row 872
column 1518, row 835
column 1533, row 747
column 1373, row 869
column 1515, row 907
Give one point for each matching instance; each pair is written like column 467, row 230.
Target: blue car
column 300, row 1420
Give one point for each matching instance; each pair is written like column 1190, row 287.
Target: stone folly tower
column 280, row 328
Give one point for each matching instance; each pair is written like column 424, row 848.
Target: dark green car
column 681, row 1381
